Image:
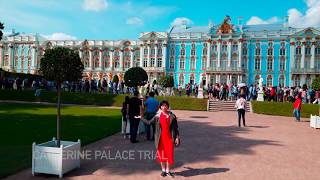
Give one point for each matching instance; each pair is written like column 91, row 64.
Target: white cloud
column 310, row 18
column 134, row 21
column 59, row 36
column 94, row 5
column 181, row 21
column 254, row 20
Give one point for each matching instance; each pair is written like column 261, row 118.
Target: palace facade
column 224, row 53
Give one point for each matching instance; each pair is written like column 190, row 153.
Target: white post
column 219, row 54
column 217, row 76
column 156, row 57
column 131, row 58
column 90, row 59
column 100, row 59
column 121, row 59
column 111, row 59
column 141, row 56
column 33, row 57
column 303, row 52
column 238, row 81
column 312, row 56
column 239, row 54
column 148, row 56
column 208, row 54
column 80, row 54
column 229, row 53
column 292, row 59
column 10, row 57
column 164, row 56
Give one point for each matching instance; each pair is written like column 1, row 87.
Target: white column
column 33, row 57
column 240, row 78
column 90, row 59
column 131, row 57
column 164, row 56
column 312, row 56
column 100, row 59
column 111, row 59
column 10, row 57
column 156, row 56
column 229, row 54
column 217, row 77
column 80, row 54
column 239, row 54
column 148, row 56
column 219, row 54
column 238, row 81
column 1, row 56
column 121, row 59
column 303, row 52
column 292, row 59
column 141, row 56
column 208, row 55
column 207, row 81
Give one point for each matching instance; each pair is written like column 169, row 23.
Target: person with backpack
column 241, row 104
column 125, row 105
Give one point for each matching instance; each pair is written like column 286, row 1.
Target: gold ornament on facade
column 225, row 27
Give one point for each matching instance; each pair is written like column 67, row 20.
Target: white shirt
column 241, row 104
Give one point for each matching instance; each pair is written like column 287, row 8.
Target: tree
column 135, row 76
column 316, row 84
column 115, row 79
column 61, row 64
column 166, row 81
column 1, row 28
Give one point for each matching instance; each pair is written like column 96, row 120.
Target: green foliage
column 154, row 82
column 316, row 84
column 135, row 76
column 23, row 124
column 1, row 28
column 61, row 64
column 115, row 79
column 283, row 109
column 166, row 81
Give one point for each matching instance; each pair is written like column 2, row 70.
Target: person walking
column 134, row 109
column 125, row 105
column 297, row 107
column 152, row 106
column 166, row 137
column 241, row 108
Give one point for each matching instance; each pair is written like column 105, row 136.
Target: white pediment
column 310, row 31
column 153, row 35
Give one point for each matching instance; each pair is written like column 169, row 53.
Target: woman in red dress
column 166, row 136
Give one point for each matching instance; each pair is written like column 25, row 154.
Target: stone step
column 214, row 106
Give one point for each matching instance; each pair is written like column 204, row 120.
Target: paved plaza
column 213, row 147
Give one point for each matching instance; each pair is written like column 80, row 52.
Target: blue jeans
column 296, row 114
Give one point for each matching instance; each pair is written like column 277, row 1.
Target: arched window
column 282, row 64
column 204, row 51
column 270, row 64
column 257, row 64
column 181, row 80
column 258, row 52
column 183, row 52
column 171, row 66
column 297, row 80
column 270, row 51
column 298, row 50
column 106, row 58
column 116, row 62
column 281, row 80
column 172, row 51
column 127, row 58
column 192, row 63
column 269, row 81
column 182, row 62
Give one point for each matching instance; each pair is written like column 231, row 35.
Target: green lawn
column 176, row 102
column 23, row 124
column 283, row 109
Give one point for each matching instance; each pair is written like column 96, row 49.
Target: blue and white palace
column 222, row 53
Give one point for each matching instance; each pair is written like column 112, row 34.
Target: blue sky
column 125, row 19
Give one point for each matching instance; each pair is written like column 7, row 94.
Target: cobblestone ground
column 213, row 147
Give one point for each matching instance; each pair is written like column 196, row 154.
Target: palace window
column 234, row 48
column 153, row 51
column 282, row 64
column 204, row 51
column 116, row 53
column 159, row 51
column 171, row 66
column 127, row 62
column 145, row 62
column 159, row 62
column 270, row 44
column 270, row 51
column 270, row 64
column 244, row 63
column 297, row 63
column 192, row 63
column 296, row 81
column 308, row 81
column 257, row 64
column 224, row 48
column 204, row 62
column 281, row 81
column 258, row 51
column 269, row 81
column 317, row 50
column 244, row 51
column 298, row 50
column 182, row 63
column 116, row 62
column 257, row 45
column 193, row 52
column 183, row 52
column 181, row 80
column 145, row 51
column 282, row 44
column 214, row 48
column 172, row 52
column 152, row 62
column 191, row 79
column 282, row 52
column 308, row 50
column 96, row 62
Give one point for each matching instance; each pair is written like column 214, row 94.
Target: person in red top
column 166, row 137
column 297, row 107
